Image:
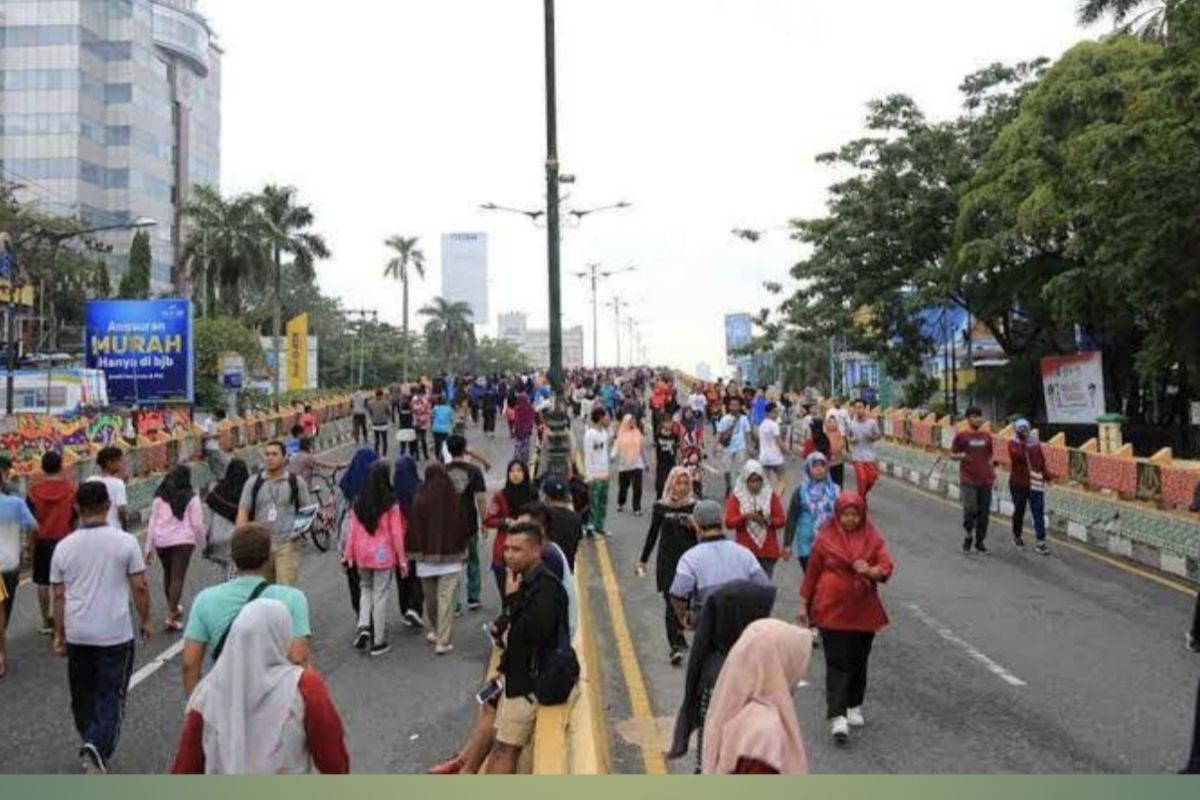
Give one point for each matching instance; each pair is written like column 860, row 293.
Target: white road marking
column 949, row 635
column 154, row 666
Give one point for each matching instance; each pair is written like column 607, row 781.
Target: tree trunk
column 407, row 342
column 278, row 327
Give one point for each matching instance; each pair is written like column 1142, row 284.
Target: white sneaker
column 854, row 717
column 840, row 730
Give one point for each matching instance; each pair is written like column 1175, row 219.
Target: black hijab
column 519, row 495
column 376, row 498
column 226, row 495
column 727, row 612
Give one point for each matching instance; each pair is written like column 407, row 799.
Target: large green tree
column 288, row 228
column 498, row 356
column 135, row 283
column 1152, row 20
column 227, row 248
column 449, row 332
column 408, row 259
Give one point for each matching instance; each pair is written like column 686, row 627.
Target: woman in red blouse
column 258, row 714
column 755, row 513
column 751, row 727
column 840, row 597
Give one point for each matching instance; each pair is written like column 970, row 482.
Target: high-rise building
column 535, row 344
column 110, row 112
column 512, row 327
column 465, row 272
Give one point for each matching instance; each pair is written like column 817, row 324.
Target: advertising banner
column 144, row 348
column 297, row 353
column 1074, row 388
column 739, row 332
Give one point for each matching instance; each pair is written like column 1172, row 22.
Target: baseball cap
column 555, row 489
column 708, row 515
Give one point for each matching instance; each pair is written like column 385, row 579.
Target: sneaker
column 1191, row 642
column 816, row 638
column 1018, row 541
column 474, row 605
column 854, row 717
column 451, row 766
column 90, row 760
column 431, row 637
column 980, row 548
column 442, row 650
column 380, row 649
column 362, row 639
column 47, row 628
column 412, row 619
column 1042, row 549
column 967, row 542
column 840, row 728
column 638, row 513
column 676, row 657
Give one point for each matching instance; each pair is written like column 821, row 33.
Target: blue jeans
column 99, row 679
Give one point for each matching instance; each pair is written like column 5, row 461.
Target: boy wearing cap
column 712, row 563
column 1027, row 483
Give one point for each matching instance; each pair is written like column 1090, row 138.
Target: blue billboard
column 739, row 332
column 144, row 348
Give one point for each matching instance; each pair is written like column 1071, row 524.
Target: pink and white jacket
column 384, row 550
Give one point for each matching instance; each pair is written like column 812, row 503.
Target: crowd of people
column 414, row 525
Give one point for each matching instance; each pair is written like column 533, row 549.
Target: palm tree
column 224, row 247
column 288, row 230
column 408, row 254
column 1147, row 19
column 450, row 330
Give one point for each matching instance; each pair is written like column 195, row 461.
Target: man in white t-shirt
column 95, row 571
column 111, row 461
column 598, row 470
column 770, row 447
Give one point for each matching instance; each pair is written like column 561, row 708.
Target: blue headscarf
column 356, row 475
column 1022, row 425
column 819, row 496
column 406, row 482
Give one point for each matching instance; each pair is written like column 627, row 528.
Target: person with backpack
column 274, row 498
column 222, row 504
column 214, row 609
column 375, row 547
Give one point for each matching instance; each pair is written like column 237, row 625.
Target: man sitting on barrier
column 530, row 630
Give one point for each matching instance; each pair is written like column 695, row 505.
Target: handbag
column 406, row 435
column 556, row 676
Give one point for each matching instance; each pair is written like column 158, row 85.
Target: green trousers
column 598, row 505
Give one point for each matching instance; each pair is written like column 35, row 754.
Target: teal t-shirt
column 216, row 607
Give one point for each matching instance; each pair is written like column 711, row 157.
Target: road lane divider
column 156, row 664
column 639, row 699
column 956, row 640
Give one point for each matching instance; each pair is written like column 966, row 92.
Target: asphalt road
column 1004, row 663
column 403, row 712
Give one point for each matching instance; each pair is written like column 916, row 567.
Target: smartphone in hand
column 489, row 693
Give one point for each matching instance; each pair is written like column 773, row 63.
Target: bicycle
column 327, row 513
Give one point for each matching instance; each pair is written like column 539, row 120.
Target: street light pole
column 552, row 202
column 595, row 275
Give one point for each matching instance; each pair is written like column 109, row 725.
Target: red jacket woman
column 756, row 514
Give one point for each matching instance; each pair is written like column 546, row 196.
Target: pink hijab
column 752, row 714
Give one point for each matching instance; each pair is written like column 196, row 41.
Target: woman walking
column 442, row 425
column 222, row 503
column 672, row 531
column 437, row 541
column 523, row 425
column 810, row 508
column 351, row 486
column 755, row 512
column 506, row 508
column 629, row 455
column 405, row 484
column 668, row 438
column 256, row 713
column 175, row 530
column 840, row 597
column 752, row 728
column 375, row 547
column 422, row 419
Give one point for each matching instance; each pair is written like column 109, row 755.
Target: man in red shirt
column 972, row 448
column 52, row 502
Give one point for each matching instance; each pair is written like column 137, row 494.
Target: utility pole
column 616, row 305
column 553, row 243
column 361, row 315
column 595, row 275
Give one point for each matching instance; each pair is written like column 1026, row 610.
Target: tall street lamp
column 596, row 274
column 56, row 238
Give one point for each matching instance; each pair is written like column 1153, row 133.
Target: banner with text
column 144, row 347
column 1074, row 388
column 297, row 353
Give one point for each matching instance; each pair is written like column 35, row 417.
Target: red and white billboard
column 1074, row 388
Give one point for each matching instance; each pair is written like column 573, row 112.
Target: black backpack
column 556, row 674
column 259, row 480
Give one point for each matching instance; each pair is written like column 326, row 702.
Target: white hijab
column 246, row 698
column 751, row 502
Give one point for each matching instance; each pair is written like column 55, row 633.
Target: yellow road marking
column 631, row 670
column 1112, row 562
column 598, row 740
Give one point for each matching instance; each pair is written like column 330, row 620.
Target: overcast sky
column 401, row 117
